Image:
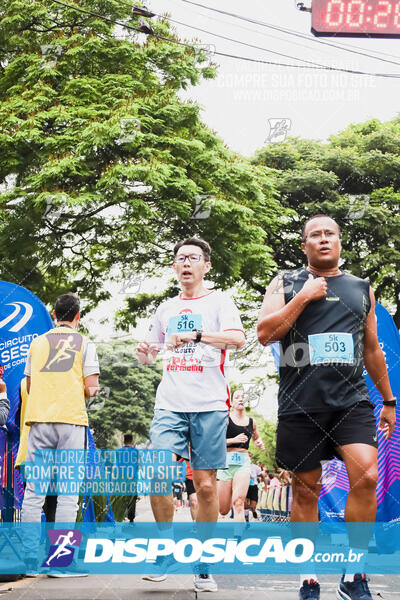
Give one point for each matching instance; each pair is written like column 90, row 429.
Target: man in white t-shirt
column 197, row 328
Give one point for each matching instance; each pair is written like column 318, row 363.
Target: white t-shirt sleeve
column 229, row 315
column 90, row 361
column 155, row 334
column 27, row 370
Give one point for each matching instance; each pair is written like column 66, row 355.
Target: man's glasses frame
column 181, row 258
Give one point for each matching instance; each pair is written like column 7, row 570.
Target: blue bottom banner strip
column 247, row 548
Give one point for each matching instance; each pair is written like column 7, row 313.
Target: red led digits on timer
column 335, row 13
column 380, row 19
column 355, row 14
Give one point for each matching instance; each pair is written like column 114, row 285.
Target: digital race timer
column 371, row 18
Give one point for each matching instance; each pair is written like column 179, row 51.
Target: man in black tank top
column 325, row 322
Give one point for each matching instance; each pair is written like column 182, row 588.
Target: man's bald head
column 306, row 224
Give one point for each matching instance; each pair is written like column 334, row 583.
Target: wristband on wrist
column 3, row 395
column 391, row 402
column 198, row 335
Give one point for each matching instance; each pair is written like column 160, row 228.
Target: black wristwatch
column 391, row 402
column 198, row 335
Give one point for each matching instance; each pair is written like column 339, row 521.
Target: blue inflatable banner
column 3, row 439
column 22, row 318
column 335, row 483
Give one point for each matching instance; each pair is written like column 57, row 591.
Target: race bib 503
column 335, row 347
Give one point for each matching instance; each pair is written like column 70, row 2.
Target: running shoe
column 31, row 567
column 354, row 590
column 309, row 590
column 71, row 572
column 203, row 580
column 162, row 564
column 154, row 577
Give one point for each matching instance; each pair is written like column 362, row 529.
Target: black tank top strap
column 233, row 430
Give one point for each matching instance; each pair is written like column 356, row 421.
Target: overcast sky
column 240, row 101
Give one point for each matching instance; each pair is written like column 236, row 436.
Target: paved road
column 180, row 587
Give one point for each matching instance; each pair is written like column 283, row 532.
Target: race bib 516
column 184, row 323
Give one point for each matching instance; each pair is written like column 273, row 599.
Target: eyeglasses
column 192, row 258
column 317, row 235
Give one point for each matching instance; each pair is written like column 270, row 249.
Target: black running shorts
column 190, row 487
column 252, row 493
column 303, row 440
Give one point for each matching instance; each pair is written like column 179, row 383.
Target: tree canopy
column 267, row 431
column 104, row 165
column 355, row 178
column 126, row 401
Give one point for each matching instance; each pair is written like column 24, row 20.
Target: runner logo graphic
column 28, row 310
column 61, row 551
column 63, row 347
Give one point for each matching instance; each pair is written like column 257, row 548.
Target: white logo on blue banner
column 28, row 319
column 28, row 310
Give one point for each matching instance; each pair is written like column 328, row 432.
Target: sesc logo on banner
column 14, row 350
column 23, row 319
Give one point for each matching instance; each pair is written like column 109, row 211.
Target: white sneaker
column 204, row 582
column 164, row 564
column 154, row 577
column 56, row 574
column 31, row 567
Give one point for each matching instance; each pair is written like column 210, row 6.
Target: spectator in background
column 286, row 479
column 4, row 401
column 256, row 474
column 62, row 369
column 273, row 480
column 190, row 489
column 128, row 440
column 177, row 490
column 131, row 507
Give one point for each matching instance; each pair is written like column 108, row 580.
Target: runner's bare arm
column 241, row 438
column 374, row 361
column 257, row 437
column 276, row 318
column 4, row 402
column 28, row 383
column 228, row 340
column 91, row 383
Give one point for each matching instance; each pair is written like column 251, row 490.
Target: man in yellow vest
column 62, row 370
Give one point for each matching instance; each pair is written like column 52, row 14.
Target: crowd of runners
column 324, row 320
column 261, row 480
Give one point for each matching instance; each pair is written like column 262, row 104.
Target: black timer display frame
column 356, row 18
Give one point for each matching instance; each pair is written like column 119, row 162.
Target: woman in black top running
column 233, row 482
